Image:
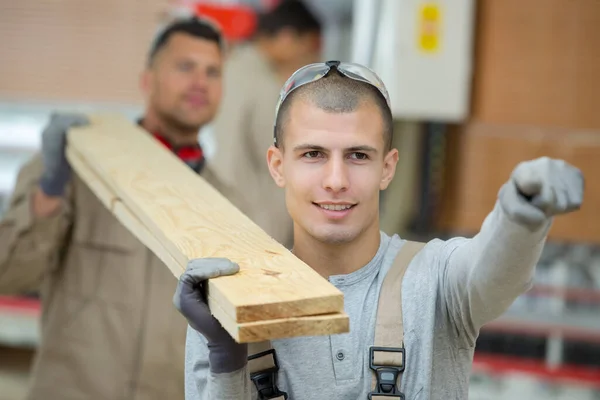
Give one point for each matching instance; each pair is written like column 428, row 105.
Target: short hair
column 336, row 93
column 292, row 14
column 193, row 26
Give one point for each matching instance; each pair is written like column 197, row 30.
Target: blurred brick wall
column 75, row 49
column 536, row 91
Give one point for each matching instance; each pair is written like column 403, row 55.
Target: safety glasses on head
column 313, row 72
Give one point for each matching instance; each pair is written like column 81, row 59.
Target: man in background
column 287, row 37
column 109, row 330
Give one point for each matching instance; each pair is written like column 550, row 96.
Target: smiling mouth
column 335, row 207
column 197, row 101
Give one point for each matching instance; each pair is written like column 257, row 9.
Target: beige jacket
column 109, row 329
column 243, row 132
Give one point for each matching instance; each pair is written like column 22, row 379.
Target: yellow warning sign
column 429, row 35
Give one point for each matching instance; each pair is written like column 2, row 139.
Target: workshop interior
column 476, row 87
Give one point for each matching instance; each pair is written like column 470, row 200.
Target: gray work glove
column 540, row 189
column 225, row 354
column 57, row 171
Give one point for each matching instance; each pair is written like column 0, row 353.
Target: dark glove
column 57, row 171
column 540, row 189
column 225, row 354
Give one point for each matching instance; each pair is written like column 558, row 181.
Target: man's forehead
column 358, row 120
column 330, row 140
column 304, row 116
column 308, row 105
column 349, row 146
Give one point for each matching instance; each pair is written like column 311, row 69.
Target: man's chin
column 193, row 124
column 188, row 123
column 334, row 236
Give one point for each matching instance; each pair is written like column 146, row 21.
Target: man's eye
column 360, row 156
column 312, row 154
column 213, row 73
column 185, row 66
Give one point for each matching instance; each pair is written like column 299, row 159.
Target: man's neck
column 337, row 259
column 177, row 137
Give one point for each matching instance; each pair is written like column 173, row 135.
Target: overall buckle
column 387, row 375
column 266, row 380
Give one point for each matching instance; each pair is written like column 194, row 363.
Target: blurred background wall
column 477, row 87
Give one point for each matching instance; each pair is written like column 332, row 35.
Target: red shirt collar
column 192, row 155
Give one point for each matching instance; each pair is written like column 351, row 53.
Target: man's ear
column 275, row 163
column 389, row 168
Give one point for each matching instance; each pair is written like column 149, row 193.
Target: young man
column 108, row 328
column 287, row 37
column 332, row 156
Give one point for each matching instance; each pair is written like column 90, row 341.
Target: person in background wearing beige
column 109, row 329
column 287, row 37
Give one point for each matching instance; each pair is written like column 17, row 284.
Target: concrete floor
column 14, row 372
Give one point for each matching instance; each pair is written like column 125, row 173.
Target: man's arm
column 215, row 365
column 38, row 218
column 201, row 383
column 31, row 232
column 483, row 276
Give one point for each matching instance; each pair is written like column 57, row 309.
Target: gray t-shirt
column 450, row 289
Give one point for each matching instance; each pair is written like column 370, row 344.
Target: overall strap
column 263, row 369
column 387, row 355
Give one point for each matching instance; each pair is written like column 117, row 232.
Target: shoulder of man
column 245, row 55
column 433, row 250
column 247, row 66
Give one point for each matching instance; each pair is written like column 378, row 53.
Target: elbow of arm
column 24, row 259
column 480, row 287
column 489, row 302
column 17, row 277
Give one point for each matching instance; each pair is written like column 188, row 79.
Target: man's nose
column 200, row 79
column 336, row 175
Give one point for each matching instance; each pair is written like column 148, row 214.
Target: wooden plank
column 317, row 325
column 191, row 219
column 120, row 211
column 242, row 332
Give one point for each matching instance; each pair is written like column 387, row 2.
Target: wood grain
column 241, row 332
column 191, row 220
